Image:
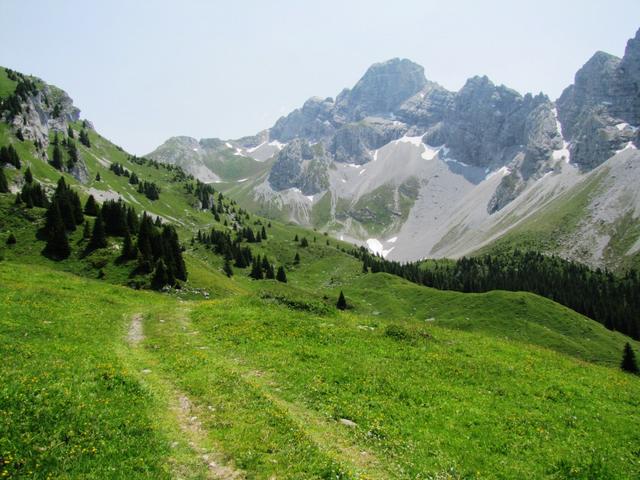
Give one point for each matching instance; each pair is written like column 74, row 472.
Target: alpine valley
column 403, row 282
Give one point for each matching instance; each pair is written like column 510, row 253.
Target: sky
column 145, row 71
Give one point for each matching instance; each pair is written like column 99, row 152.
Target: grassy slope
column 270, row 385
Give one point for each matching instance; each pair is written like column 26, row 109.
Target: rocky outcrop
column 302, row 166
column 354, row 142
column 314, row 122
column 383, row 88
column 600, row 112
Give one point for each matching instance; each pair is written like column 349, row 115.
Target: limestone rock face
column 600, row 112
column 302, row 166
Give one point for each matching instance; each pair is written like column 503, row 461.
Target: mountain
column 413, row 170
column 228, row 372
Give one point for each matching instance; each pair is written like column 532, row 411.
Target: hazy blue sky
column 145, row 71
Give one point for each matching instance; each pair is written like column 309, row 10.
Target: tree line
column 611, row 300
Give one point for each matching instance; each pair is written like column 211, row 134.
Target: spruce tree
column 4, row 185
column 129, row 251
column 160, row 276
column 227, row 269
column 91, row 206
column 86, row 231
column 304, row 242
column 57, row 246
column 98, row 235
column 98, row 179
column 11, row 239
column 629, row 360
column 256, row 269
column 56, row 162
column 70, row 132
column 264, row 233
column 342, row 302
column 281, row 276
column 28, row 176
column 296, row 259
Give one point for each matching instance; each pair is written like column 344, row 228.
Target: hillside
column 223, row 375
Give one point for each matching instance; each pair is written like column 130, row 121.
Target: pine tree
column 57, row 246
column 28, row 176
column 91, row 206
column 304, row 242
column 160, row 276
column 296, row 259
column 227, row 269
column 295, row 239
column 629, row 360
column 263, row 233
column 342, row 302
column 129, row 251
column 256, row 269
column 98, row 178
column 98, row 235
column 4, row 185
column 11, row 239
column 56, row 162
column 281, row 276
column 70, row 132
column 365, row 269
column 84, row 138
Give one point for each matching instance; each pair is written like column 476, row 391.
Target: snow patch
column 392, row 240
column 628, row 146
column 503, row 172
column 309, row 197
column 242, row 180
column 417, row 141
column 376, row 247
column 353, row 165
column 277, row 144
column 362, row 171
column 253, row 149
column 430, row 152
column 228, row 145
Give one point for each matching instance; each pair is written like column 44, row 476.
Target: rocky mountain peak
column 382, row 89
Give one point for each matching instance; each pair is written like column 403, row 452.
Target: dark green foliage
column 611, row 300
column 133, row 179
column 256, row 269
column 304, row 243
column 129, row 251
column 205, row 194
column 11, row 239
column 154, row 244
column 342, row 302
column 69, row 203
column 57, row 247
column 56, row 161
column 149, row 189
column 4, row 184
column 629, row 360
column 98, row 178
column 72, row 150
column 296, row 259
column 227, row 269
column 84, row 138
column 24, row 89
column 263, row 233
column 70, row 133
column 119, row 170
column 114, row 214
column 281, row 276
column 28, row 176
column 295, row 239
column 20, row 135
column 32, row 195
column 91, row 207
column 98, row 234
column 9, row 156
column 160, row 276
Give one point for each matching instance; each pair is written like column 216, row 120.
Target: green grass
column 270, row 383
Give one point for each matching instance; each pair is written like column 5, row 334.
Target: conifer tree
column 263, row 233
column 28, row 176
column 227, row 269
column 629, row 360
column 91, row 206
column 128, row 248
column 342, row 302
column 160, row 276
column 98, row 235
column 281, row 276
column 70, row 132
column 57, row 246
column 256, row 269
column 11, row 239
column 296, row 259
column 295, row 239
column 56, row 161
column 4, row 185
column 98, row 178
column 304, row 242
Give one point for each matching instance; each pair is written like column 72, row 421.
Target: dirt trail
column 135, row 334
column 187, row 415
